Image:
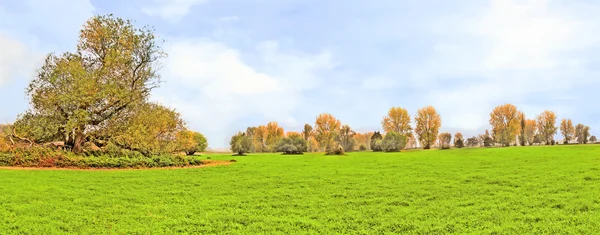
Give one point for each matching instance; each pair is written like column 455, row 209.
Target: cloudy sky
column 239, row 63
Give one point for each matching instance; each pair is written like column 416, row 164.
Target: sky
column 239, row 63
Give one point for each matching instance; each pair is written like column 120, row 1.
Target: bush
column 335, row 150
column 45, row 157
column 362, row 147
column 376, row 139
column 394, row 142
column 292, row 145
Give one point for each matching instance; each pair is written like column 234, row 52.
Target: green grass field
column 517, row 190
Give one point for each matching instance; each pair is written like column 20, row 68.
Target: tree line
column 509, row 127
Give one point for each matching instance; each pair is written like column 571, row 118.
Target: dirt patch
column 205, row 163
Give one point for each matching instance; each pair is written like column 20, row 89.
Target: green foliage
column 190, row 142
column 240, row 143
column 394, row 142
column 593, row 139
column 152, row 129
column 375, row 145
column 362, row 148
column 292, row 145
column 76, row 94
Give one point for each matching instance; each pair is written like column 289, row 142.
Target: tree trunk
column 78, row 141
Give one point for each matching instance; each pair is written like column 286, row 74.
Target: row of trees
column 97, row 96
column 509, row 127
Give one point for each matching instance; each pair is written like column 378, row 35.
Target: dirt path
column 205, row 163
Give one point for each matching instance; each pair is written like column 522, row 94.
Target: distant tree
column 295, row 144
column 445, row 139
column 505, row 122
column 190, row 142
column 346, row 138
column 582, row 133
column 240, row 144
column 326, row 130
column 307, row 132
column 567, row 130
column 313, row 144
column 546, row 123
column 412, row 142
column 523, row 126
column 473, row 142
column 593, row 139
column 428, row 124
column 293, row 134
column 274, row 134
column 394, row 142
column 362, row 139
column 538, row 139
column 259, row 139
column 375, row 145
column 486, row 139
column 397, row 120
column 530, row 130
column 459, row 142
column 362, row 147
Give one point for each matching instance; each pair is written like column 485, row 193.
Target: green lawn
column 530, row 190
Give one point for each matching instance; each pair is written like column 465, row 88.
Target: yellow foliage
column 428, row 126
column 506, row 123
column 397, row 120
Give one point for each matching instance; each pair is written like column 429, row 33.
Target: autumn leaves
column 508, row 123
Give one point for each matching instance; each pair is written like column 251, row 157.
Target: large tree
column 428, row 125
column 113, row 69
column 397, row 120
column 505, row 121
column 567, row 130
column 546, row 123
column 327, row 127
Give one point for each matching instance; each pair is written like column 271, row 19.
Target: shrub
column 362, row 147
column 292, row 145
column 46, row 157
column 394, row 142
column 335, row 149
column 376, row 147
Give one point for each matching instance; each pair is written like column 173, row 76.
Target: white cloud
column 172, row 10
column 510, row 52
column 224, row 90
column 15, row 59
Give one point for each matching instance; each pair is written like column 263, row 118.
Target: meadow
column 516, row 190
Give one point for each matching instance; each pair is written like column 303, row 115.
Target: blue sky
column 239, row 63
